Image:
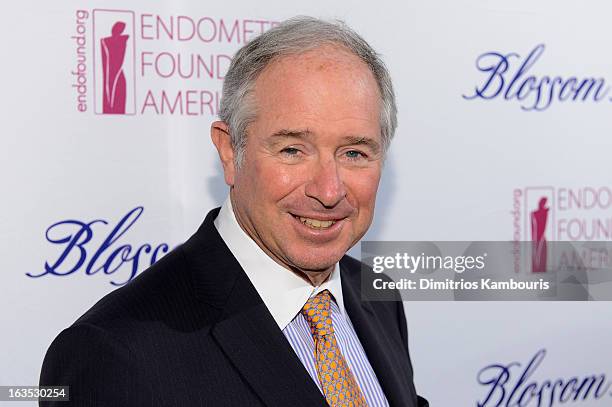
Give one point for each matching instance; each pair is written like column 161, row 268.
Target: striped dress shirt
column 285, row 293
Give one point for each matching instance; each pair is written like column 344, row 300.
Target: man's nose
column 325, row 184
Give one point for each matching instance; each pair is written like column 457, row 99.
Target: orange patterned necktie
column 337, row 380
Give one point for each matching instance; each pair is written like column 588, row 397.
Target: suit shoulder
column 167, row 278
column 351, row 265
column 353, row 268
column 359, row 273
column 91, row 361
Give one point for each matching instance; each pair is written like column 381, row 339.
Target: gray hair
column 291, row 37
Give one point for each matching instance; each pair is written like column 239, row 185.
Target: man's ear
column 219, row 133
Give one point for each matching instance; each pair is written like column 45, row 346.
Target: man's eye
column 354, row 155
column 290, row 151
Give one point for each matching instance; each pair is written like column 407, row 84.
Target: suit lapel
column 245, row 329
column 253, row 342
column 381, row 352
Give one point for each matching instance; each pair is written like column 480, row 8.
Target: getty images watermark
column 487, row 271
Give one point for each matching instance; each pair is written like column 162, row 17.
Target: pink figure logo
column 539, row 218
column 114, row 84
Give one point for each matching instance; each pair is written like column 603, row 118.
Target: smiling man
column 262, row 307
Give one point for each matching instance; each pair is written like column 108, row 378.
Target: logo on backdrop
column 519, row 384
column 547, row 213
column 154, row 64
column 562, row 213
column 514, row 77
column 99, row 246
column 538, row 221
column 113, row 34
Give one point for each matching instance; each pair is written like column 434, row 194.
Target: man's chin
column 317, row 263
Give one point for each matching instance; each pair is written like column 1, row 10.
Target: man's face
column 307, row 187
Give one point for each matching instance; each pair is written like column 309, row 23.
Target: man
column 261, row 307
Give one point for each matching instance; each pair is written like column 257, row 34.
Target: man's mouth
column 316, row 223
column 319, row 222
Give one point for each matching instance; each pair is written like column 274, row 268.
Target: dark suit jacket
column 193, row 331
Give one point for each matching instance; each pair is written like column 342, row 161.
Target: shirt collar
column 283, row 292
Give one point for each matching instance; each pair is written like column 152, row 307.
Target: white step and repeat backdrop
column 501, row 103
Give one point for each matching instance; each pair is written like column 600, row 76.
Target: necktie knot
column 318, row 315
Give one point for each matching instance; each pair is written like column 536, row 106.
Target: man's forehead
column 325, row 91
column 332, row 66
column 329, row 56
